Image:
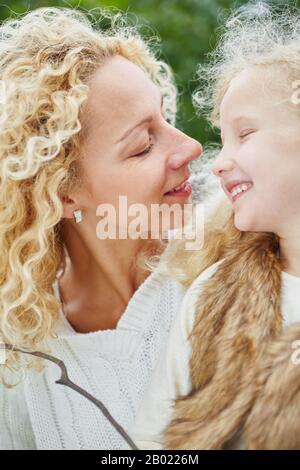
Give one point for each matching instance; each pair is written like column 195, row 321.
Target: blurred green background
column 187, row 29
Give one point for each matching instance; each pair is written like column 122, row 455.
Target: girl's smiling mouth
column 237, row 188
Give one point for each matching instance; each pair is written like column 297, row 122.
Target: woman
column 84, row 120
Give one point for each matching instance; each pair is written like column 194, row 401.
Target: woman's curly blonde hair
column 47, row 58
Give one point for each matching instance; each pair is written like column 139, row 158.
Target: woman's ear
column 69, row 206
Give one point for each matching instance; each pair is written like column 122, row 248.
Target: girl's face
column 260, row 154
column 130, row 148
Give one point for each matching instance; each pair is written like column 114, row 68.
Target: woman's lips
column 185, row 190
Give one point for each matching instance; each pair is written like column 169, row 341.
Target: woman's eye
column 145, row 151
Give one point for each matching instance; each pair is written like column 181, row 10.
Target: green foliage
column 187, row 29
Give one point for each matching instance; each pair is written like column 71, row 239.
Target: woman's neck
column 98, row 283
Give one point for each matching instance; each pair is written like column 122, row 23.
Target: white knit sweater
column 113, row 365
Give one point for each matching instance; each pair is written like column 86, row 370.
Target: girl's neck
column 289, row 253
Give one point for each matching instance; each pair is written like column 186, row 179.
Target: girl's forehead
column 240, row 95
column 245, row 83
column 254, row 98
column 269, row 83
column 252, row 89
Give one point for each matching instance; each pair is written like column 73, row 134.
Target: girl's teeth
column 239, row 189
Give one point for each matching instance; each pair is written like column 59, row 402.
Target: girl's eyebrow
column 243, row 118
column 144, row 121
column 240, row 119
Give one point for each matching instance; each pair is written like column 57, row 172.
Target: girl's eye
column 144, row 152
column 246, row 133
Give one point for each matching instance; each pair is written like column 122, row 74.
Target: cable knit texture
column 113, row 365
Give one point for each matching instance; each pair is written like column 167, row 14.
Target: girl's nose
column 188, row 151
column 222, row 164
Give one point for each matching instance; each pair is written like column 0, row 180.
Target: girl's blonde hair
column 47, row 58
column 254, row 35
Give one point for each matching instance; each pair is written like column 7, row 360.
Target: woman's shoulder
column 13, row 394
column 15, row 424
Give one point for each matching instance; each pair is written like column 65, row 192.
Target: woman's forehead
column 120, row 81
column 120, row 92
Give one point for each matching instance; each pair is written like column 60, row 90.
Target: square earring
column 77, row 216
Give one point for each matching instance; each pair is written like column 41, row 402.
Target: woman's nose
column 189, row 150
column 222, row 164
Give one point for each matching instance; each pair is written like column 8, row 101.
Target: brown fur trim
column 237, row 316
column 274, row 421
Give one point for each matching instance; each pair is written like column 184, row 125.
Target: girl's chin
column 245, row 224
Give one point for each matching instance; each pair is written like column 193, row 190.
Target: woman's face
column 130, row 148
column 261, row 151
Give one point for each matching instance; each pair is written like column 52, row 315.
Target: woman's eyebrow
column 129, row 131
column 144, row 121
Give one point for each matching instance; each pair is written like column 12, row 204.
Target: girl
column 230, row 376
column 86, row 115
